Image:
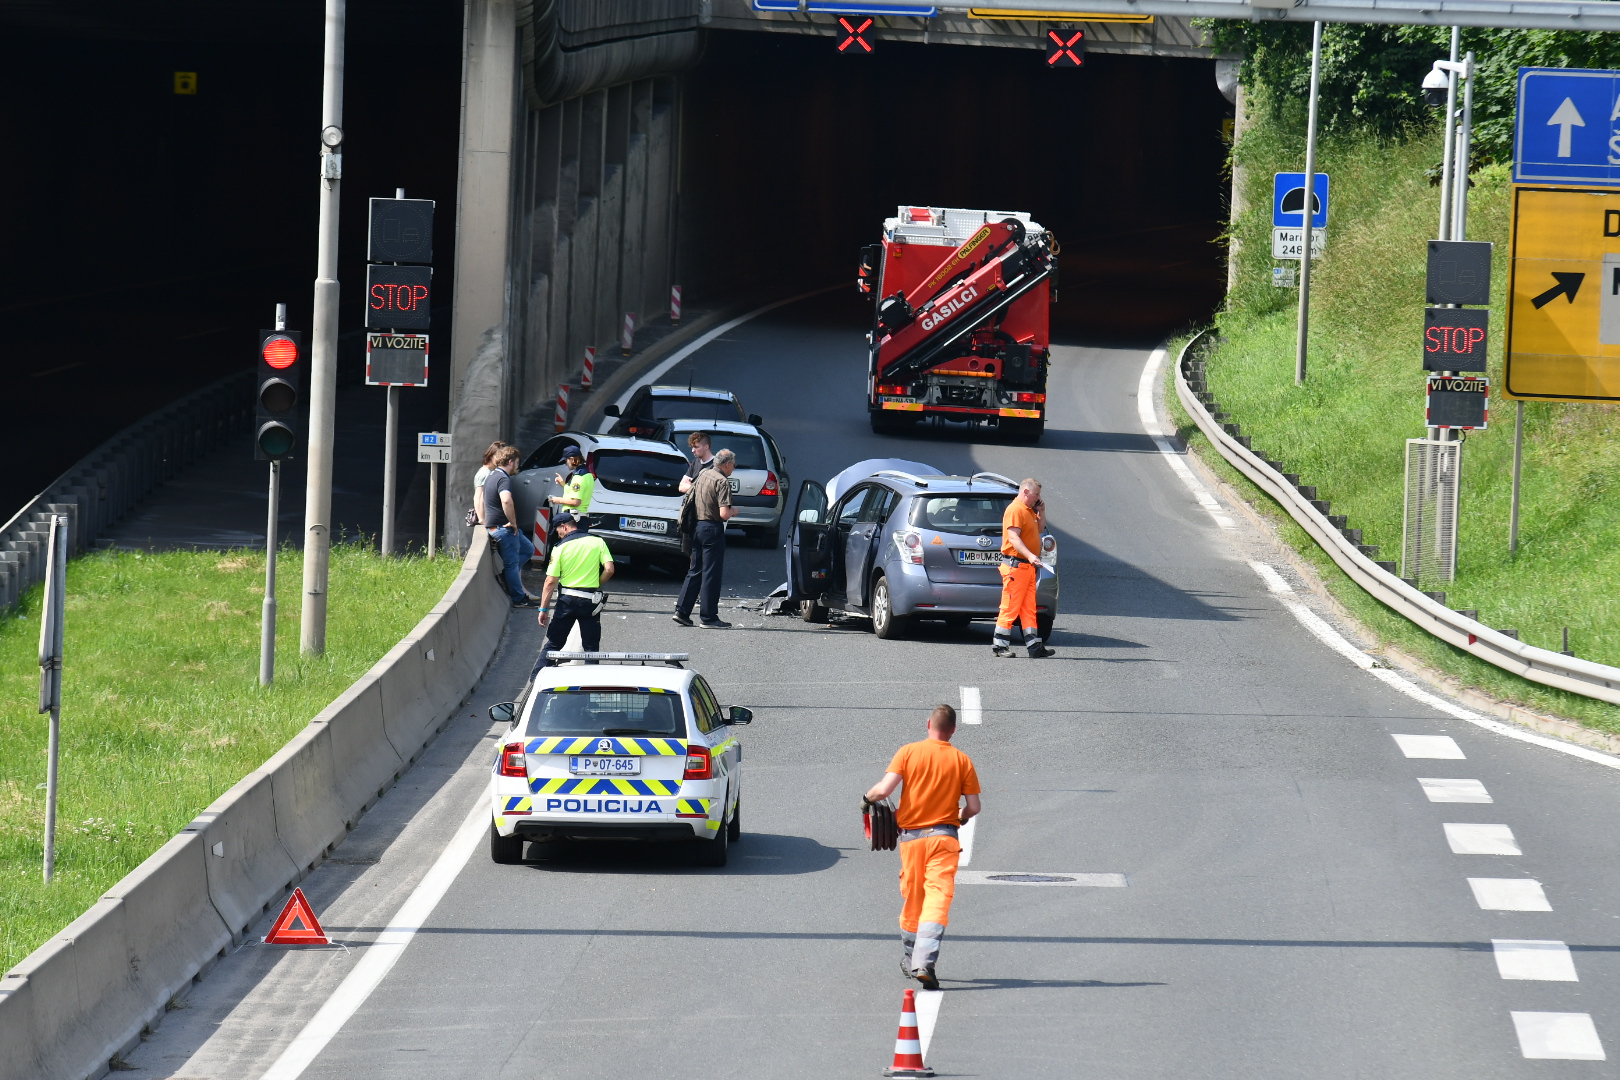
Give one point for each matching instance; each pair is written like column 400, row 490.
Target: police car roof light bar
column 673, row 659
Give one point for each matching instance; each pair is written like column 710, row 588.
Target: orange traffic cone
column 907, row 1045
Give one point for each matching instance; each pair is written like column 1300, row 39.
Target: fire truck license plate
column 646, row 525
column 604, row 766
column 978, row 558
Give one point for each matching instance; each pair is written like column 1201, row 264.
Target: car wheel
column 810, row 611
column 734, row 827
column 885, row 623
column 505, row 850
column 1043, row 625
column 712, row 852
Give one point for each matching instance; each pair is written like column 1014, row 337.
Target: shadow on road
column 755, row 855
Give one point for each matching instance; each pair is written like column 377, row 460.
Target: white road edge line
column 687, row 350
column 1336, row 641
column 381, row 955
column 927, row 1015
column 972, row 705
column 1150, row 423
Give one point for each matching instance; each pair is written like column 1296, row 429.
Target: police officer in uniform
column 580, row 565
column 578, row 488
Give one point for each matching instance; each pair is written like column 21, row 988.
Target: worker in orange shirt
column 938, row 779
column 1021, row 528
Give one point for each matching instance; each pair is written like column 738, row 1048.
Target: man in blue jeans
column 711, row 503
column 500, row 517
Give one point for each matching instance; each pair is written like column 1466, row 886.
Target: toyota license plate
column 977, row 558
column 646, row 525
column 605, row 766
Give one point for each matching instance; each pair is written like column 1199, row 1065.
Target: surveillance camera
column 1435, row 85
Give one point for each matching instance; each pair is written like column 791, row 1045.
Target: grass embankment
column 161, row 706
column 1345, row 431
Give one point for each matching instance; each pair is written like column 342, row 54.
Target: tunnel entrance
column 793, row 155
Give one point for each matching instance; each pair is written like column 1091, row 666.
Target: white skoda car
column 633, row 747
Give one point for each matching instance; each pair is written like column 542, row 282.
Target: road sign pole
column 53, row 606
column 1307, row 214
column 323, row 367
column 433, row 508
column 1518, row 460
column 1448, row 145
column 390, row 469
column 267, row 627
column 1465, row 133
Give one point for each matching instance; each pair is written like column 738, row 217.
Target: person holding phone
column 1021, row 528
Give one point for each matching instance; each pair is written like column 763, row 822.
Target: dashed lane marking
column 1429, row 746
column 1445, row 789
column 1150, row 424
column 1509, row 894
column 381, row 955
column 972, row 709
column 1044, row 877
column 1538, row 961
column 1569, row 1036
column 1468, row 838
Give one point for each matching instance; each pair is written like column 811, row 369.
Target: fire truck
column 960, row 327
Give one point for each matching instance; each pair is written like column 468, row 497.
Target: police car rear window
column 973, row 515
column 639, row 473
column 607, row 712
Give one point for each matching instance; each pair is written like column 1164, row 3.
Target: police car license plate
column 605, row 766
column 646, row 525
column 977, row 558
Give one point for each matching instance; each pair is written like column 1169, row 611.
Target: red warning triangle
column 297, row 924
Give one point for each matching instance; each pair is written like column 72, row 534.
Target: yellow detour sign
column 1563, row 324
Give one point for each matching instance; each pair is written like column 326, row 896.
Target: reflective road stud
column 908, row 1059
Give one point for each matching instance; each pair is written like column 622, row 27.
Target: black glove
column 866, row 804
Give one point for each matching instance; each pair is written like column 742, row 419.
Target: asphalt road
column 1292, row 906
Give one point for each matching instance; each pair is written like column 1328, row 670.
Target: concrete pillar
column 582, row 321
column 633, row 247
column 610, row 303
column 478, row 345
column 661, row 185
column 562, row 265
column 1240, row 177
column 538, row 381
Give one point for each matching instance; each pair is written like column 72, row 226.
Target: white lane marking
column 972, row 706
column 1509, row 894
column 1469, row 838
column 687, row 350
column 964, row 836
column 1541, row 961
column 1040, row 877
column 927, row 1015
column 1309, row 619
column 1429, row 746
column 1446, row 789
column 381, row 955
column 1268, row 574
column 1150, row 424
column 1570, row 1036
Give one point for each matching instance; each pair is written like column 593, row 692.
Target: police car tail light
column 770, row 484
column 699, row 764
column 911, row 547
column 513, row 761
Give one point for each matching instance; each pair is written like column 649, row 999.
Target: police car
column 615, row 751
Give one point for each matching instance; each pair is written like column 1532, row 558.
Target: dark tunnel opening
column 793, row 155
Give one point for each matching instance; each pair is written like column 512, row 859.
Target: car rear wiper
column 632, row 731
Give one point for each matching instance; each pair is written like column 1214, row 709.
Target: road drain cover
column 1030, row 879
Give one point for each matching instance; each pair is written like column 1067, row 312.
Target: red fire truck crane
column 960, row 329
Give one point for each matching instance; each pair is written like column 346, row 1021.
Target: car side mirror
column 503, row 712
column 756, row 419
column 612, row 410
column 740, row 715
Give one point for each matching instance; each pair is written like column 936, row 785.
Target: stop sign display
column 1454, row 339
column 398, row 297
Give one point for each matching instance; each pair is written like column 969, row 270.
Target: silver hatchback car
column 898, row 546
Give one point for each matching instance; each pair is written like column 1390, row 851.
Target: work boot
column 1001, row 643
column 925, row 975
column 1037, row 649
column 1000, row 650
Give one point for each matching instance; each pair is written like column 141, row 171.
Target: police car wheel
column 734, row 826
column 505, row 850
column 712, row 852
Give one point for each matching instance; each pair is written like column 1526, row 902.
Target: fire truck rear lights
column 1023, row 397
column 894, row 391
column 280, row 352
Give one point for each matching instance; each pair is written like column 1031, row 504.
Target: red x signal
column 1065, row 52
column 852, row 35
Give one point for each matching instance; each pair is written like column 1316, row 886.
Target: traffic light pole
column 323, row 346
column 267, row 625
column 390, row 469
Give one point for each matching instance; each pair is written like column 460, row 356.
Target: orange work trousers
column 1018, row 596
column 928, row 880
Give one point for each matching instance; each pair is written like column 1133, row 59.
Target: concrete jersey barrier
column 85, row 997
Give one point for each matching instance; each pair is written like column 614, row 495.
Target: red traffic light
column 280, row 352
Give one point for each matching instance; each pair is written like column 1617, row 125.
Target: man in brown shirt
column 711, row 503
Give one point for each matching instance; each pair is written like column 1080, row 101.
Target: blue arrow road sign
column 1288, row 201
column 1566, row 129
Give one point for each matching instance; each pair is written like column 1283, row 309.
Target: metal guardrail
column 109, row 481
column 1544, row 666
